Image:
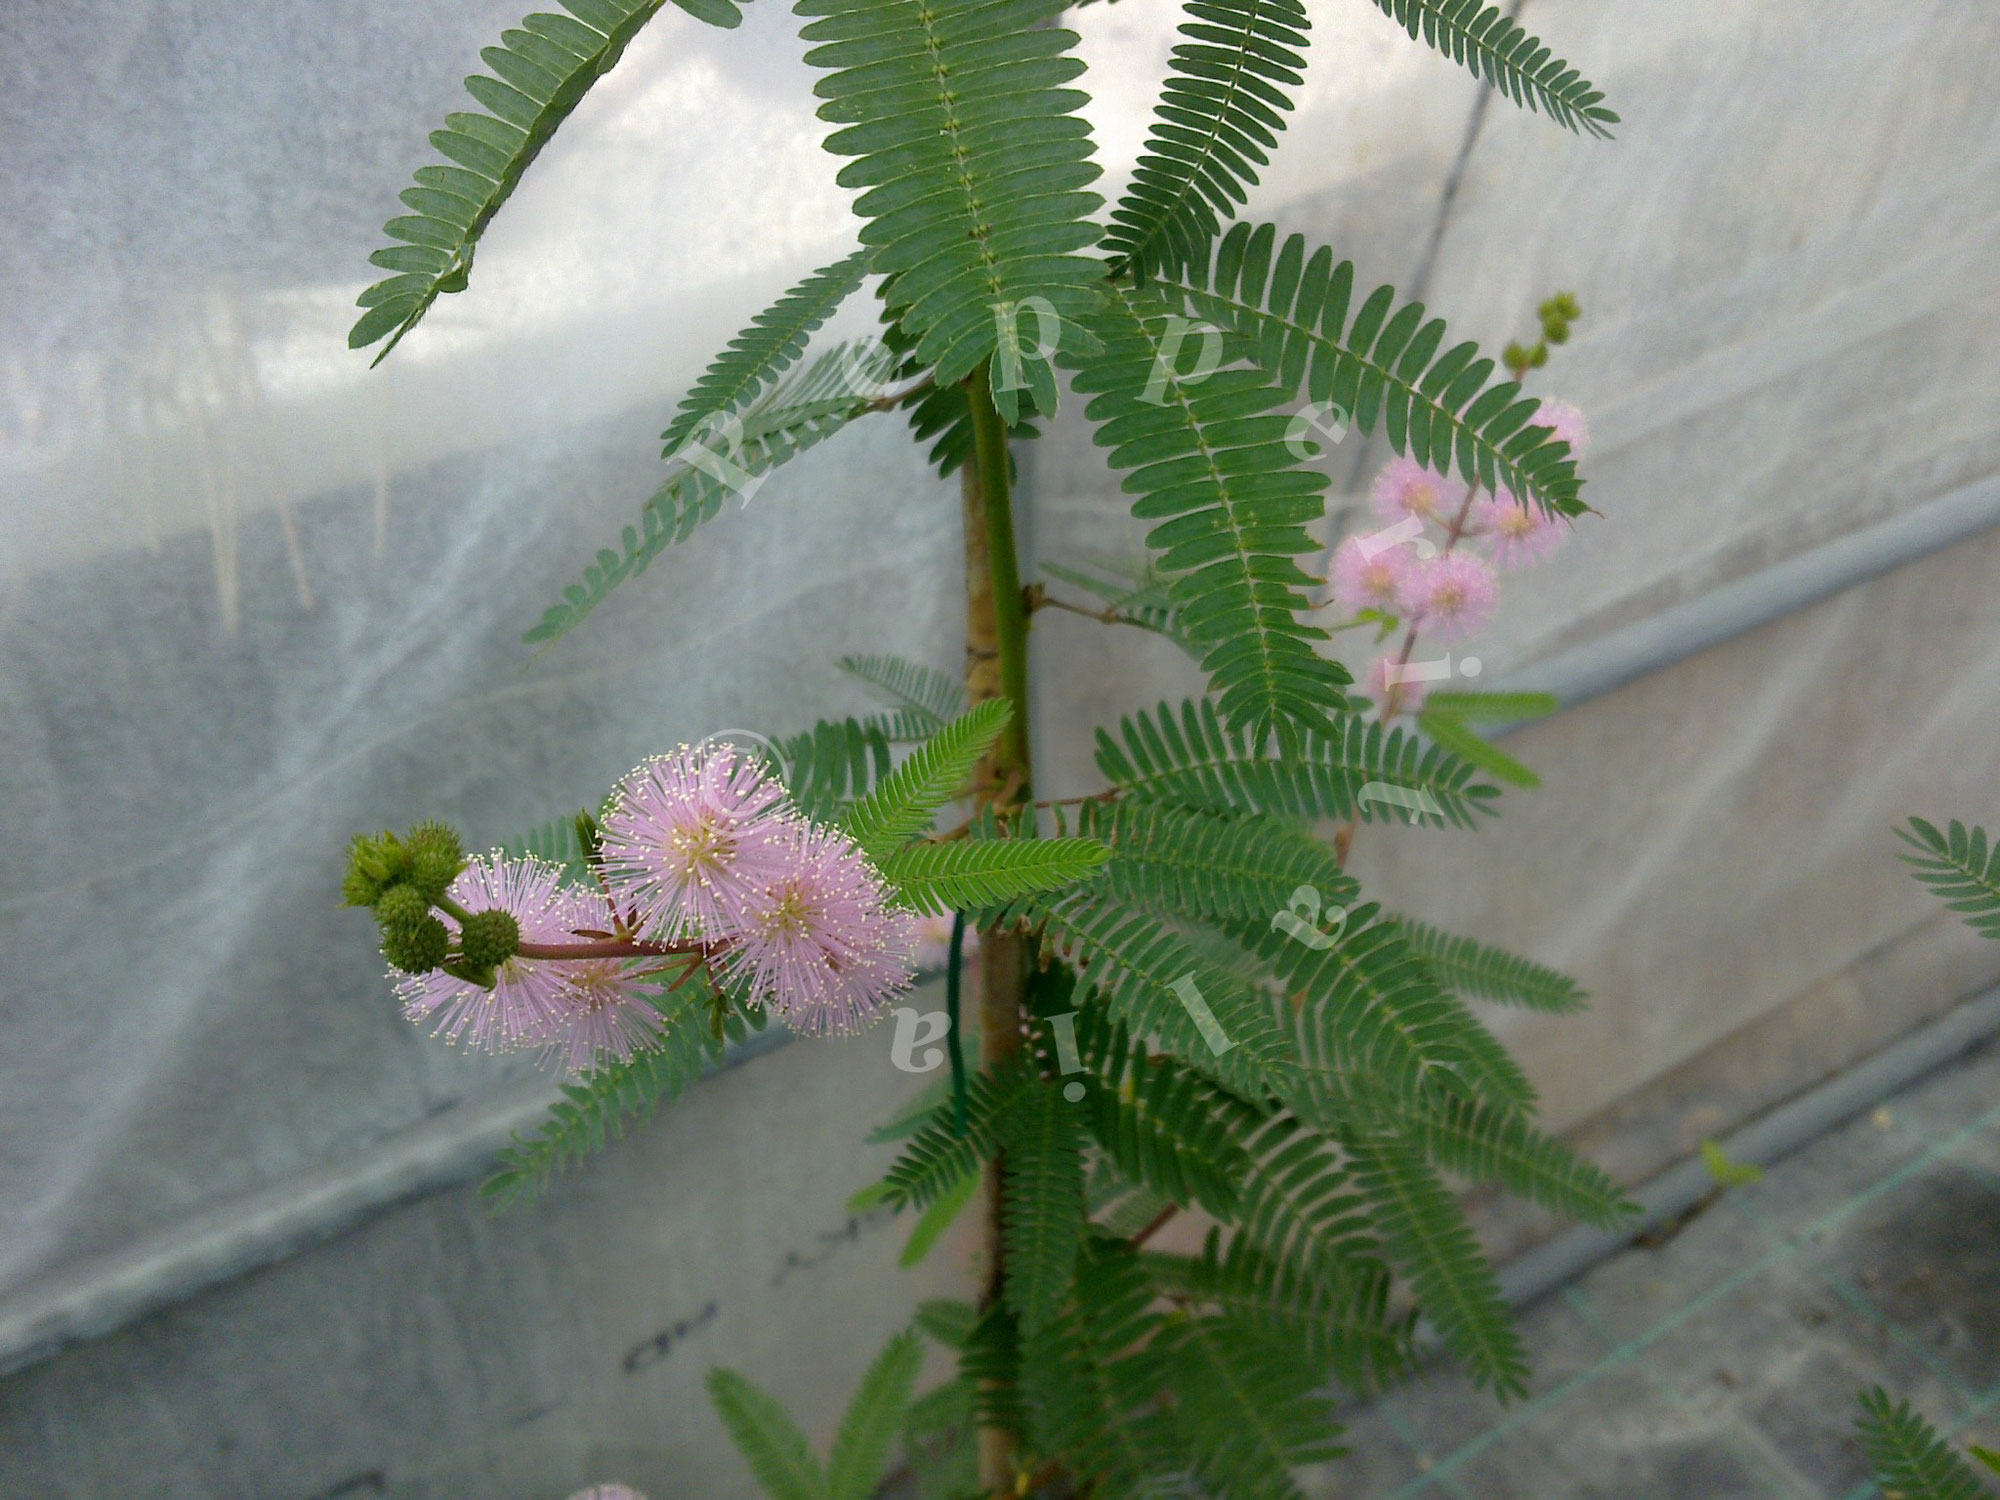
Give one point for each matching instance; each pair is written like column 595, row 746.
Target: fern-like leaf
column 1151, row 978
column 1452, row 733
column 975, row 164
column 1342, row 1324
column 1482, row 1144
column 594, row 1109
column 1198, row 762
column 928, row 695
column 545, row 68
column 971, row 873
column 1042, row 1214
column 767, row 1437
column 1911, row 1461
column 1094, row 1386
column 762, row 352
column 903, row 803
column 1493, row 46
column 1428, row 1237
column 938, row 1159
column 874, row 1417
column 1961, row 868
column 1290, row 314
column 1472, row 968
column 1231, row 498
column 833, row 764
column 1161, row 1123
column 712, row 464
column 1218, row 115
column 1253, row 1404
column 1213, row 865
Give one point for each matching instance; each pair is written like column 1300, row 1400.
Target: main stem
column 996, row 666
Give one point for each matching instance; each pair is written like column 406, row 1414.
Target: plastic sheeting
column 252, row 599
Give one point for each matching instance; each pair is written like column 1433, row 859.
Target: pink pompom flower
column 1406, row 488
column 1451, row 596
column 820, row 944
column 691, row 837
column 1568, row 423
column 601, row 1013
column 1517, row 534
column 527, row 994
column 1361, row 581
column 608, row 1492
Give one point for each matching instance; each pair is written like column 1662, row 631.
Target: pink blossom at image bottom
column 820, row 945
column 526, row 998
column 1406, row 488
column 1516, row 534
column 691, row 837
column 1451, row 596
column 608, row 1492
column 1361, row 581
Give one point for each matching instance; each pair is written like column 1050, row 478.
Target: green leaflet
column 775, row 338
column 1042, row 1213
column 903, row 803
column 1482, row 1144
column 924, row 692
column 832, row 765
column 767, row 1437
column 874, row 1417
column 1910, row 1459
column 1342, row 1324
column 971, row 873
column 936, row 1219
column 1163, row 1124
column 1198, row 762
column 545, row 68
column 727, row 454
column 1218, row 115
column 975, row 165
column 1253, row 1404
column 1428, row 1237
column 1229, row 499
column 1960, row 868
column 1214, row 865
column 1472, row 968
column 1451, row 733
column 594, row 1108
column 1494, row 47
column 1292, row 314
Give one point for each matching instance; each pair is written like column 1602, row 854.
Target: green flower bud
column 436, row 857
column 1567, row 305
column 418, row 949
column 1556, row 330
column 1541, row 356
column 356, row 889
column 401, row 909
column 374, row 863
column 488, row 939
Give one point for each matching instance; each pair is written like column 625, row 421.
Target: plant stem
column 996, row 666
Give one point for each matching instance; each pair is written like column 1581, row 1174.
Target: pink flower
column 1519, row 534
column 526, row 997
column 1451, row 596
column 1406, row 488
column 600, row 1012
column 1390, row 699
column 608, row 1492
column 820, row 944
column 1568, row 423
column 1363, row 582
column 691, row 837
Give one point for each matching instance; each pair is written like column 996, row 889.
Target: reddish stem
column 608, row 948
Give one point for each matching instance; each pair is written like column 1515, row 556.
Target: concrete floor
column 1724, row 1361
